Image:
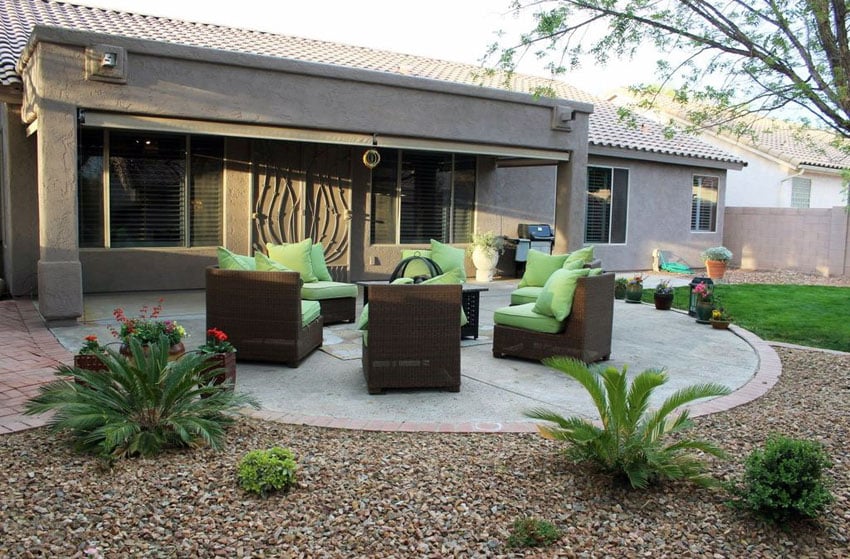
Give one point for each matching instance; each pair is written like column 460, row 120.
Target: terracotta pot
column 720, row 324
column 715, row 268
column 226, row 361
column 663, row 301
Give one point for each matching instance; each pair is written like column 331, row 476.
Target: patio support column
column 60, row 286
column 570, row 200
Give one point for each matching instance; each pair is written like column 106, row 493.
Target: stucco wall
column 659, row 215
column 19, row 203
column 814, row 240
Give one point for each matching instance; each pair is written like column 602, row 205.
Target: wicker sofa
column 261, row 312
column 586, row 334
column 413, row 337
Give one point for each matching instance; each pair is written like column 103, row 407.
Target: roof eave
column 661, row 157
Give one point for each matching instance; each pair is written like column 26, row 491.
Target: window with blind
column 607, row 205
column 149, row 190
column 801, row 192
column 704, row 203
column 419, row 196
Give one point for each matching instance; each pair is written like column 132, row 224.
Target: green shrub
column 629, row 445
column 139, row 406
column 785, row 480
column 531, row 532
column 263, row 471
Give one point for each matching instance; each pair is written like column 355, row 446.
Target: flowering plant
column 721, row 314
column 703, row 291
column 721, row 254
column 146, row 327
column 663, row 288
column 216, row 342
column 91, row 346
column 636, row 280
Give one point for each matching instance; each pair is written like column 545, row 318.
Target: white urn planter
column 485, row 261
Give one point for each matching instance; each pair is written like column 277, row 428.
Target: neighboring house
column 133, row 145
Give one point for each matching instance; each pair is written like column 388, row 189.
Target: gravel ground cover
column 366, row 494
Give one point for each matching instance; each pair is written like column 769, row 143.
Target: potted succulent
column 620, row 288
column 485, row 250
column 147, row 328
column 221, row 355
column 716, row 259
column 634, row 289
column 663, row 295
column 705, row 302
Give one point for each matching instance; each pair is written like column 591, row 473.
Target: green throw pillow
column 594, row 272
column 556, row 299
column 295, row 256
column 452, row 277
column 320, row 267
column 583, row 255
column 539, row 267
column 266, row 264
column 228, row 260
column 448, row 257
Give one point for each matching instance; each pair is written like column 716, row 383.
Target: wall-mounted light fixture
column 109, row 60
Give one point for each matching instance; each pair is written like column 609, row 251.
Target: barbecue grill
column 537, row 236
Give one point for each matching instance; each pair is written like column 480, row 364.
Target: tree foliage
column 734, row 58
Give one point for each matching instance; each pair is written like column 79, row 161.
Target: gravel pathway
column 367, row 494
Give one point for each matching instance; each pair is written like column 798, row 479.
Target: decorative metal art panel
column 303, row 190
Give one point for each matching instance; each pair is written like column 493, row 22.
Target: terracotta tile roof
column 17, row 18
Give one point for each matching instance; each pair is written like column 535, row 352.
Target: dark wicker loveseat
column 413, row 337
column 261, row 314
column 587, row 332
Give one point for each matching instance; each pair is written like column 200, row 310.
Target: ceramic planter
column 224, row 361
column 663, row 301
column 704, row 310
column 485, row 261
column 634, row 293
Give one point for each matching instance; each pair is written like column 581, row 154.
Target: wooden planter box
column 226, row 361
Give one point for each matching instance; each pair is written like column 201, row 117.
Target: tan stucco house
column 132, row 146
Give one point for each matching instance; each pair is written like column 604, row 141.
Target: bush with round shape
column 264, row 471
column 785, row 480
column 532, row 532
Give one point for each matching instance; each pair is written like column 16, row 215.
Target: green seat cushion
column 525, row 295
column 319, row 290
column 556, row 298
column 295, row 256
column 363, row 319
column 583, row 255
column 448, row 257
column 539, row 267
column 228, row 260
column 310, row 311
column 266, row 264
column 320, row 267
column 524, row 317
column 452, row 277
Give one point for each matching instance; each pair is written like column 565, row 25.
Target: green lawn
column 808, row 315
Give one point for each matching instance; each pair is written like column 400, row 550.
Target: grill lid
column 539, row 231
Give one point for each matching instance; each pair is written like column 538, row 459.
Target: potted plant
column 221, row 355
column 663, row 295
column 147, row 328
column 716, row 260
column 634, row 289
column 89, row 355
column 720, row 319
column 620, row 288
column 485, row 250
column 705, row 302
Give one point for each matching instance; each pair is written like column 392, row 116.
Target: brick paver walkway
column 29, row 354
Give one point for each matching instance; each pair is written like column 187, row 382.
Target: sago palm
column 140, row 405
column 630, row 442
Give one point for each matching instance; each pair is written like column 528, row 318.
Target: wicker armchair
column 261, row 314
column 587, row 335
column 413, row 337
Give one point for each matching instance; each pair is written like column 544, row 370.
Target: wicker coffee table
column 470, row 300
